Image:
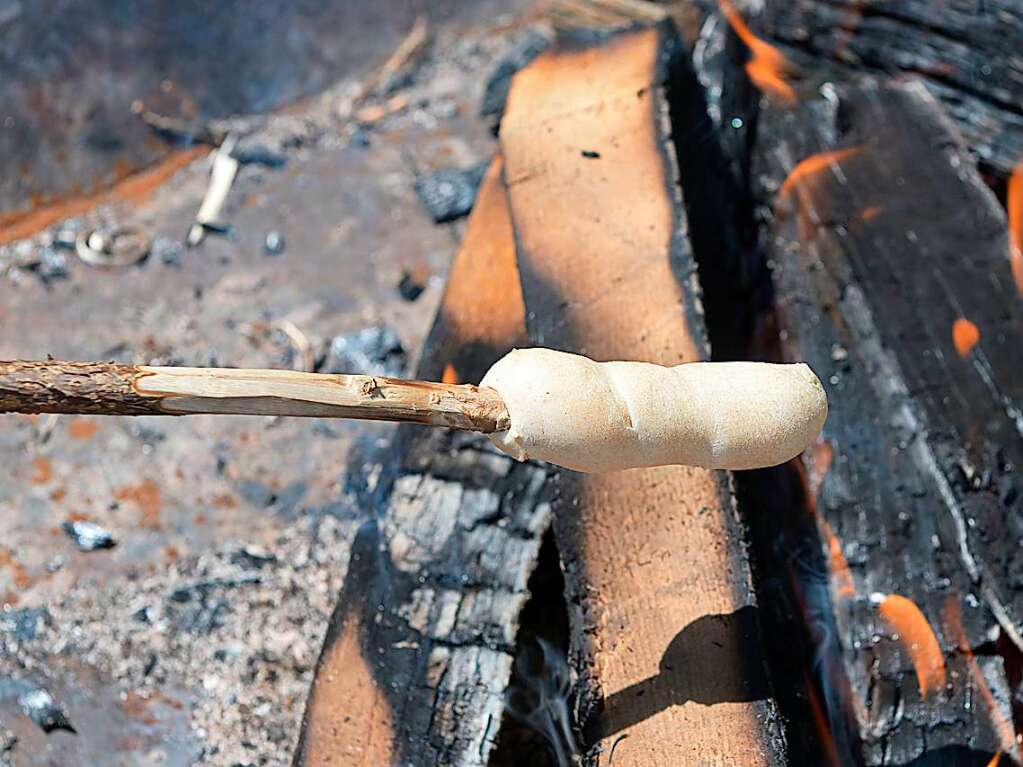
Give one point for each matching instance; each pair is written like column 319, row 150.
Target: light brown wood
column 665, row 627
column 481, row 314
column 111, row 389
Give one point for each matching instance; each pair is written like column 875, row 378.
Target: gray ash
column 22, row 624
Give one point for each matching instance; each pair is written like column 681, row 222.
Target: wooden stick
column 112, row 389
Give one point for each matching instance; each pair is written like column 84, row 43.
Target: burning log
column 894, row 282
column 967, row 54
column 420, row 646
column 662, row 611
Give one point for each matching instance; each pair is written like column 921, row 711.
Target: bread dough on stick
column 603, row 416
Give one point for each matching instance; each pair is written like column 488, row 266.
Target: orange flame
column 918, row 639
column 837, row 564
column 1014, row 202
column 995, row 760
column 964, row 336
column 450, row 375
column 766, row 65
column 820, row 456
column 814, row 164
column 954, row 627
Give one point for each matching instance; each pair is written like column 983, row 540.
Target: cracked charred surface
column 917, row 492
column 420, row 646
column 663, row 617
column 967, row 54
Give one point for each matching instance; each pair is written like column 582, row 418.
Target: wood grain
column 664, row 621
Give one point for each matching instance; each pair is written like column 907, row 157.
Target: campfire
column 725, row 381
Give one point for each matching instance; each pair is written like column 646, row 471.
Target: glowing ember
column 767, row 65
column 964, row 336
column 813, row 165
column 450, row 375
column 1014, row 203
column 917, row 638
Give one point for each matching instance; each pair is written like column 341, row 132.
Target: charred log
column 421, row 644
column 884, row 244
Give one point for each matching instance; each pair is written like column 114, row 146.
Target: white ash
column 249, row 671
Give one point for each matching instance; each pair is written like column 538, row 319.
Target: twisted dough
column 603, row 416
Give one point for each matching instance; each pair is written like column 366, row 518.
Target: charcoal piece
column 273, row 245
column 39, row 706
column 409, row 287
column 495, row 93
column 371, row 351
column 52, row 265
column 450, row 193
column 88, row 536
column 252, row 557
column 167, row 250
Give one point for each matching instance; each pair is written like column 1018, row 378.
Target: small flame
column 869, row 214
column 954, row 627
column 1014, row 203
column 767, row 65
column 450, row 375
column 964, row 336
column 820, row 456
column 995, row 760
column 837, row 564
column 918, row 639
column 813, row 165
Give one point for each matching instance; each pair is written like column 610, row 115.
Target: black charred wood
column 876, row 256
column 967, row 53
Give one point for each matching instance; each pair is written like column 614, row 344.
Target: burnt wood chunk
column 420, row 647
column 893, row 282
column 663, row 616
column 967, row 53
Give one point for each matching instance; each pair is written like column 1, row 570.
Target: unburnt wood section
column 664, row 621
column 419, row 650
column 885, row 242
column 967, row 53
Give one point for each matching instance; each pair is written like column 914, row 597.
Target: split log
column 966, row 53
column 419, row 650
column 664, row 619
column 890, row 253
